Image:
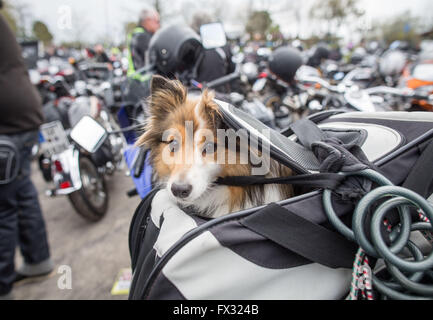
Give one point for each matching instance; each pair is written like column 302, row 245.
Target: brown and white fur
column 192, row 184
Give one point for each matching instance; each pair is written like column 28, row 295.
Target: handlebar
column 223, row 80
column 127, row 129
column 323, row 83
column 388, row 90
column 404, row 93
column 429, row 98
column 143, row 70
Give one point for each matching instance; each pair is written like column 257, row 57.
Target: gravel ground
column 95, row 252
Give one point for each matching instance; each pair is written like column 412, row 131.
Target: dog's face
column 181, row 133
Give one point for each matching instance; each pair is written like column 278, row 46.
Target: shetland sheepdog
column 182, row 134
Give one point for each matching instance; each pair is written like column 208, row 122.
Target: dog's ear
column 158, row 83
column 166, row 93
column 208, row 108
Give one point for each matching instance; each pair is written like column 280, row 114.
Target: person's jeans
column 21, row 221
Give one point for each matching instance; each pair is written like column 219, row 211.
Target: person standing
column 100, row 55
column 138, row 40
column 21, row 220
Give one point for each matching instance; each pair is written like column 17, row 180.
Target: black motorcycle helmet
column 358, row 55
column 284, row 62
column 174, row 49
column 322, row 52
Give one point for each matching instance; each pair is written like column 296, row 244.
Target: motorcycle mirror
column 88, row 134
column 213, row 35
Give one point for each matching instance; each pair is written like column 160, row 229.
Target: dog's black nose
column 181, row 190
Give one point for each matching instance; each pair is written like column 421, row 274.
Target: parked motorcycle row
column 73, row 92
column 296, row 84
column 94, row 112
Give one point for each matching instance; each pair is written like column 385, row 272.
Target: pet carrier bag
column 304, row 247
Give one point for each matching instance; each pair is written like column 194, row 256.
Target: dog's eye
column 209, row 148
column 173, row 146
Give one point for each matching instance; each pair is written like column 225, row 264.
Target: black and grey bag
column 303, row 247
column 9, row 160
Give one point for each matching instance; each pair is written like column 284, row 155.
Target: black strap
column 319, row 180
column 420, row 177
column 302, row 236
column 137, row 226
column 308, row 132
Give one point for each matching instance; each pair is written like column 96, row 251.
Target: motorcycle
column 419, row 77
column 310, row 94
column 353, row 98
column 76, row 157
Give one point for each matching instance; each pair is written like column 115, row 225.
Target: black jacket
column 138, row 47
column 20, row 103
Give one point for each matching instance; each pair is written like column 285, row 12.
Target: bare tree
column 335, row 12
column 24, row 18
column 295, row 8
column 291, row 10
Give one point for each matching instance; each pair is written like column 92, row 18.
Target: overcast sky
column 92, row 20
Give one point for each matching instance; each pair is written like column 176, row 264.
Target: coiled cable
column 406, row 274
